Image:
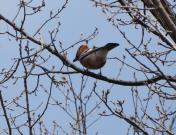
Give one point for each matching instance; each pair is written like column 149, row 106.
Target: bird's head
column 81, row 49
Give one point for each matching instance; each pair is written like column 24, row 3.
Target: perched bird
column 93, row 58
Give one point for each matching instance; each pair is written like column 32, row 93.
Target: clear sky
column 80, row 16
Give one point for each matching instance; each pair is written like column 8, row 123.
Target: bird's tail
column 110, row 46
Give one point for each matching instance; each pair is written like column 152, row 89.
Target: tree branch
column 143, row 24
column 164, row 15
column 85, row 72
column 5, row 114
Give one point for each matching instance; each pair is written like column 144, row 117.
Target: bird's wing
column 83, row 55
column 108, row 46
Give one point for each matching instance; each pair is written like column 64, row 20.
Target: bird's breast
column 95, row 60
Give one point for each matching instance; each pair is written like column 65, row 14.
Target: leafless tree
column 33, row 86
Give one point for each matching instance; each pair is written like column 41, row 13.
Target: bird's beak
column 75, row 59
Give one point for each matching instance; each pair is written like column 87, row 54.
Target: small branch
column 43, row 112
column 121, row 115
column 5, row 113
column 85, row 72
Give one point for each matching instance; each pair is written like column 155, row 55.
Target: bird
column 93, row 58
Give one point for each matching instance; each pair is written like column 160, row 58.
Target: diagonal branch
column 85, row 72
column 164, row 14
column 143, row 24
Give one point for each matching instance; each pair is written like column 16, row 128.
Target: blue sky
column 80, row 16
